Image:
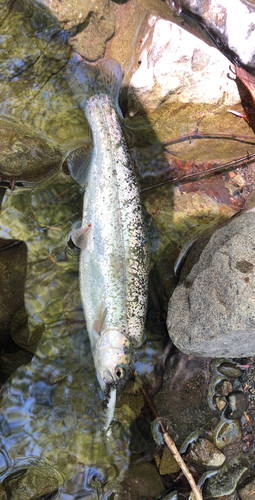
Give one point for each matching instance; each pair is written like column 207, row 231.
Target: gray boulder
column 212, row 310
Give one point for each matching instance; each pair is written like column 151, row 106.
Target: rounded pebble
column 204, row 453
column 227, row 432
column 230, row 370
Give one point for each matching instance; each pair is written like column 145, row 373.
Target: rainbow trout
column 114, row 257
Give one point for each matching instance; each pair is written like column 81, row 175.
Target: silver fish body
column 114, row 260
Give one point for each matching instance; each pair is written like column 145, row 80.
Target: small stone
column 226, row 388
column 204, row 453
column 220, row 403
column 168, row 464
column 227, row 433
column 237, row 404
column 230, row 370
column 248, row 491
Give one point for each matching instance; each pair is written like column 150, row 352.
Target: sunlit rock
column 175, row 66
column 212, row 310
column 230, row 24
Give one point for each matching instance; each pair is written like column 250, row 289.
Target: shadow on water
column 50, row 409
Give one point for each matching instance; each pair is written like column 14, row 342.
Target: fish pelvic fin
column 87, row 80
column 80, row 237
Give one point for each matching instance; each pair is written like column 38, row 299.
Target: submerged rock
column 31, row 480
column 230, row 370
column 237, row 401
column 168, row 464
column 142, row 480
column 227, row 433
column 225, row 481
column 212, row 310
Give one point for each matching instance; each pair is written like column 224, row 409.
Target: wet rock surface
column 227, row 433
column 204, row 453
column 225, row 481
column 212, row 311
column 229, row 25
column 141, row 479
column 31, row 480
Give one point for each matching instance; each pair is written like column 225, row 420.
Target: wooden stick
column 169, row 442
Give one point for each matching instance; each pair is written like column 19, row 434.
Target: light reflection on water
column 51, row 408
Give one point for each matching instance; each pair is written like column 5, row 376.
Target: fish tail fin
column 110, row 77
column 87, row 80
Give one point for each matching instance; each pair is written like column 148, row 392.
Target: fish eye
column 120, row 372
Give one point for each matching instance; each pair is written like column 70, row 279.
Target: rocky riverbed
column 195, row 166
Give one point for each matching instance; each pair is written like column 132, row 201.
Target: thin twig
column 203, row 173
column 169, row 442
column 195, row 135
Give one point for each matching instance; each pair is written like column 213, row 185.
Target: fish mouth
column 110, row 408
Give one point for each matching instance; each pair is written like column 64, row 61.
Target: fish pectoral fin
column 99, row 323
column 80, row 237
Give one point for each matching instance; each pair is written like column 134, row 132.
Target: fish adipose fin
column 87, row 80
column 80, row 237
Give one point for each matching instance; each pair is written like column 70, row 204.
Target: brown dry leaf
column 247, row 79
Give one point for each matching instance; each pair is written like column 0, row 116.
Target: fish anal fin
column 99, row 323
column 80, row 236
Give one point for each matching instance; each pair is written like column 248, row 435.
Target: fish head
column 112, row 358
